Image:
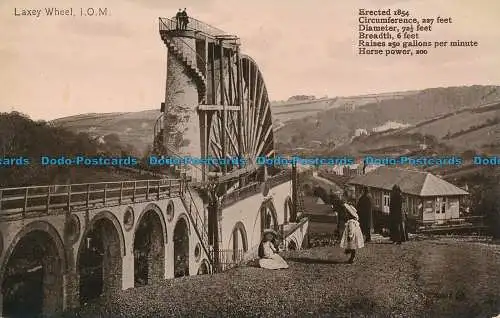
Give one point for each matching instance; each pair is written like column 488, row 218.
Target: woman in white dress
column 352, row 239
column 268, row 254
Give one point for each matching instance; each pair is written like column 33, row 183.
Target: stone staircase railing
column 199, row 78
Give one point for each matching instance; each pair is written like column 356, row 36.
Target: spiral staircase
column 164, row 145
column 191, row 67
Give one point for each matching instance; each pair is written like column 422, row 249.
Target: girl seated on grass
column 352, row 239
column 268, row 254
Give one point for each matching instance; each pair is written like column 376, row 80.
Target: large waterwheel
column 252, row 123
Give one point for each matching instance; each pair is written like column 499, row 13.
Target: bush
column 321, row 239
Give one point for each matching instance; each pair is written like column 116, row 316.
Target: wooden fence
column 465, row 223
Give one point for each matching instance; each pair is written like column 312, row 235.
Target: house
column 427, row 199
column 360, row 132
column 355, row 169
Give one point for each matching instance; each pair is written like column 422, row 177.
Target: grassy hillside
column 20, row 136
column 284, row 112
column 427, row 105
column 134, row 128
column 441, row 112
column 476, row 129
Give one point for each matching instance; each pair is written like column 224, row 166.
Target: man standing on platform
column 365, row 208
column 184, row 19
column 178, row 20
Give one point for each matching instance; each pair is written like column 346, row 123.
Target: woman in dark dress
column 396, row 218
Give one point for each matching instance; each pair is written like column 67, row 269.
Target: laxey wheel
column 257, row 138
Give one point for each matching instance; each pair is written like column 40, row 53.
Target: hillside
column 476, row 129
column 445, row 113
column 314, row 123
column 134, row 128
column 20, row 136
column 284, row 112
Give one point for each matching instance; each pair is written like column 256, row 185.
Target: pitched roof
column 414, row 182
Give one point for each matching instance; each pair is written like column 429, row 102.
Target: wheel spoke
column 258, row 118
column 254, row 116
column 262, row 123
column 264, row 140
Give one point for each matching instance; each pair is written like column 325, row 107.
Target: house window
column 387, row 200
column 443, row 205
column 428, row 204
column 377, row 199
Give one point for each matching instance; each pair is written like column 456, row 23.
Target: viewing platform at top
column 200, row 29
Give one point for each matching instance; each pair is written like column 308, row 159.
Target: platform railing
column 53, row 199
column 167, row 24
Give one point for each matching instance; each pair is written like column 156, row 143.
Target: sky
column 52, row 67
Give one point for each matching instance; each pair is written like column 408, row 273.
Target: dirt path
column 424, row 278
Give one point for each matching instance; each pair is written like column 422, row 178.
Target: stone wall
column 247, row 212
column 182, row 124
column 121, row 234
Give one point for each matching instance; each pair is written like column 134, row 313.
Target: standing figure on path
column 364, row 208
column 268, row 253
column 396, row 218
column 178, row 20
column 352, row 239
column 338, row 207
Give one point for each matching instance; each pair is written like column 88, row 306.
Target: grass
column 432, row 278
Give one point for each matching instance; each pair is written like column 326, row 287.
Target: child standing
column 352, row 239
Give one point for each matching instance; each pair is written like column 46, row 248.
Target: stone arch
column 238, row 236
column 39, row 289
column 155, row 208
column 117, row 225
column 185, row 218
column 259, row 224
column 181, row 246
column 268, row 216
column 149, row 240
column 289, row 213
column 204, row 268
column 307, row 188
column 100, row 257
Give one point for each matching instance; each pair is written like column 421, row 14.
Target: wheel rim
column 256, row 119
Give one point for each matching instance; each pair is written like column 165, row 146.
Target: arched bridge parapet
column 115, row 213
column 14, row 237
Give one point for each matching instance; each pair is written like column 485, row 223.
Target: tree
column 491, row 207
